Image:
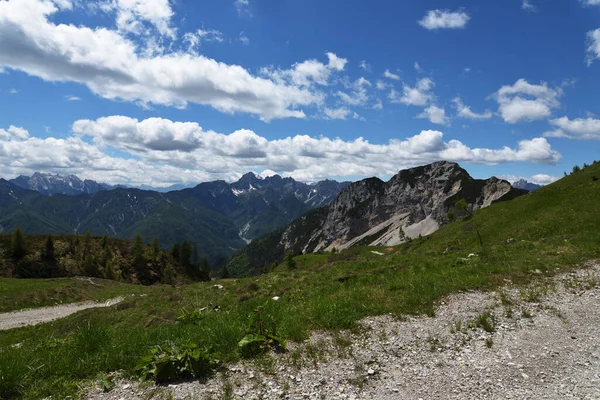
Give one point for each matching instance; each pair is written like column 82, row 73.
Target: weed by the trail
column 534, row 292
column 489, row 342
column 486, row 322
column 260, row 335
column 171, row 363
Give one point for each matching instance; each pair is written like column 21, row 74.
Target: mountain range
column 413, row 203
column 217, row 217
column 50, row 184
column 523, row 184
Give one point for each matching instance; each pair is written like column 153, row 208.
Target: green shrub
column 172, row 363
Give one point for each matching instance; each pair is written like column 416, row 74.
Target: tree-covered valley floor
column 551, row 230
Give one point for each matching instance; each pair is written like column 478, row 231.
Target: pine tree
column 224, row 273
column 175, row 251
column 291, row 263
column 195, row 257
column 17, row 244
column 185, row 252
column 155, row 248
column 137, row 249
column 48, row 253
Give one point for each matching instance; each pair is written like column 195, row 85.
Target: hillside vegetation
column 550, row 230
column 49, row 256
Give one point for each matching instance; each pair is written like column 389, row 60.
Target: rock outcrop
column 372, row 212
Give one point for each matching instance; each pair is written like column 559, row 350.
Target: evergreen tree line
column 113, row 261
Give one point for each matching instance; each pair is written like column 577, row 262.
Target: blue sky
column 160, row 92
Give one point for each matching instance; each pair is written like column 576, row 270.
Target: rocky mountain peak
column 414, row 202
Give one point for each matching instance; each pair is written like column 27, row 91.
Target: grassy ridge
column 552, row 229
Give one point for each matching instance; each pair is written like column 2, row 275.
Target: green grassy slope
column 536, row 235
column 17, row 294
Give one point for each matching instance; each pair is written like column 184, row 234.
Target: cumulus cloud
column 539, row 179
column 444, row 19
column 160, row 152
column 593, row 46
column 420, row 95
column 580, row 128
column 365, row 66
column 390, row 75
column 335, row 62
column 359, row 95
column 14, row 133
column 464, row 111
column 435, row 115
column 524, row 102
column 112, row 66
column 72, row 98
column 307, row 73
column 133, row 15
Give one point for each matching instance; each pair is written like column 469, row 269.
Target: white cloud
column 337, row 113
column 366, row 67
column 390, row 75
column 381, row 85
column 527, row 6
column 359, row 96
column 335, row 62
column 195, row 39
column 435, row 115
column 543, row 179
column 526, row 102
column 243, row 8
column 72, row 98
column 444, row 19
column 418, row 68
column 464, row 111
column 13, row 91
column 420, row 95
column 13, row 133
column 580, row 128
column 161, row 152
column 378, row 105
column 307, row 73
column 244, row 39
column 539, row 179
column 593, row 46
column 358, row 117
column 591, row 2
column 133, row 15
column 111, row 66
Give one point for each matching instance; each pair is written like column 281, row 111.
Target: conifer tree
column 48, row 253
column 17, row 244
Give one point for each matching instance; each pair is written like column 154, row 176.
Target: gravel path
column 543, row 343
column 34, row 316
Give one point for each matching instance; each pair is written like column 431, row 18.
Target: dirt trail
column 18, row 319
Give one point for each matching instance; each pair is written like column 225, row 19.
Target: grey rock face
column 371, row 212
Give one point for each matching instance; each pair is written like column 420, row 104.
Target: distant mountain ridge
column 523, row 184
column 216, row 216
column 372, row 212
column 50, row 184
